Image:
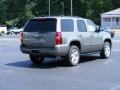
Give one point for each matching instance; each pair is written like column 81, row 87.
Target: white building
column 111, row 19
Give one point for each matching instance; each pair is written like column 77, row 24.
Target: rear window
column 81, row 26
column 67, row 25
column 41, row 25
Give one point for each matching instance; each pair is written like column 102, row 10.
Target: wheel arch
column 108, row 40
column 77, row 43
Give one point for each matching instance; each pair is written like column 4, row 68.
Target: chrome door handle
column 80, row 36
column 91, row 36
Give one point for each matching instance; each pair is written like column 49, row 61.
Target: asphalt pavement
column 92, row 73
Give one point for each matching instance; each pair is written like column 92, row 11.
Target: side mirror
column 98, row 29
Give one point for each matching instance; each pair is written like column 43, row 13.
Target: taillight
column 21, row 37
column 58, row 38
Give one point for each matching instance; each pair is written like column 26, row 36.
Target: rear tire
column 36, row 59
column 106, row 51
column 2, row 32
column 73, row 56
column 12, row 32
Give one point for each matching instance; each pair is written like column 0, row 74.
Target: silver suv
column 66, row 37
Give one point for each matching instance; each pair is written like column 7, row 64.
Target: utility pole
column 49, row 7
column 62, row 3
column 71, row 8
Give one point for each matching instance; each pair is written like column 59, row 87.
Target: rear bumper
column 59, row 50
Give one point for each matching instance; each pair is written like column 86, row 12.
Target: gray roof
column 113, row 12
column 59, row 17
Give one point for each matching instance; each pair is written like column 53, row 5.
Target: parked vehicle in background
column 20, row 29
column 107, row 29
column 15, row 30
column 65, row 37
column 3, row 29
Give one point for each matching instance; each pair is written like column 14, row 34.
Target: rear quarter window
column 67, row 25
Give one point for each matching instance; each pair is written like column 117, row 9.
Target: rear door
column 84, row 36
column 40, row 32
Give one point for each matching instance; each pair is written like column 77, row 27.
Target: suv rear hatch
column 40, row 33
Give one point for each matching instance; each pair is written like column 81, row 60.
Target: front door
column 95, row 39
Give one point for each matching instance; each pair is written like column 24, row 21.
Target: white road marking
column 10, row 44
column 116, row 41
column 107, row 61
column 9, row 71
column 116, row 50
column 10, row 41
column 117, row 87
column 1, row 48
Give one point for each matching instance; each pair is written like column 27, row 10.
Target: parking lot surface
column 92, row 73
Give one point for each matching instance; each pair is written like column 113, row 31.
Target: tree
column 17, row 12
column 96, row 7
column 115, row 3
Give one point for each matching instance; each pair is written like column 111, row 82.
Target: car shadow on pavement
column 50, row 63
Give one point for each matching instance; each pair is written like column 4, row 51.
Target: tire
column 15, row 33
column 73, row 57
column 12, row 32
column 2, row 32
column 36, row 59
column 106, row 51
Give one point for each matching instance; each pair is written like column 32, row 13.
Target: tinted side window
column 81, row 26
column 67, row 25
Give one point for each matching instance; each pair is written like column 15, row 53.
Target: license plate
column 42, row 40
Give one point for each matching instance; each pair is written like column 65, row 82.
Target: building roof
column 113, row 12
